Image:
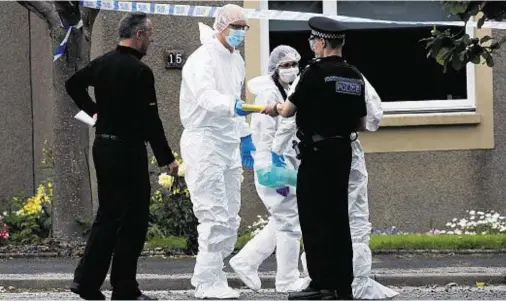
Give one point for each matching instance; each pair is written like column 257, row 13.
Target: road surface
column 406, row 293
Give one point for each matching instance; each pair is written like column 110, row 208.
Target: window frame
column 393, row 107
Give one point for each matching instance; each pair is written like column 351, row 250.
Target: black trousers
column 121, row 221
column 322, row 199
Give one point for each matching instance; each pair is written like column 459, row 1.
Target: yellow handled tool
column 252, row 108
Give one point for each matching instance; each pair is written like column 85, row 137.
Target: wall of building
column 16, row 157
column 424, row 169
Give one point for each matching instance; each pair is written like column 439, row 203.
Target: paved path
column 175, row 274
column 157, row 265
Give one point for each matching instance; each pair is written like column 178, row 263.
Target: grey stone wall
column 16, row 156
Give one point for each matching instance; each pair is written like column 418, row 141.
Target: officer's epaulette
column 312, row 62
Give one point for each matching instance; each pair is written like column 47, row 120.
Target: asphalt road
column 406, row 293
column 157, row 265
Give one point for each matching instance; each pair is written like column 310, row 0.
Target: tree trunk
column 72, row 199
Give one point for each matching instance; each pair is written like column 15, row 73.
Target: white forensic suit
column 212, row 79
column 282, row 233
column 358, row 206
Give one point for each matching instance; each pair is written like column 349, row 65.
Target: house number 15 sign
column 174, row 59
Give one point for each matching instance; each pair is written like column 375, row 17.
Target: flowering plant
column 28, row 218
column 258, row 225
column 478, row 222
column 171, row 210
column 4, row 231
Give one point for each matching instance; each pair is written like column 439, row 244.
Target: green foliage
column 171, row 211
column 28, row 218
column 169, row 243
column 459, row 49
column 437, row 242
column 382, row 242
column 85, row 224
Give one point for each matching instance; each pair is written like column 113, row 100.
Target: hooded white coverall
column 282, row 233
column 212, row 79
column 363, row 286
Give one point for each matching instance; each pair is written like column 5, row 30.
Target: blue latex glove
column 278, row 160
column 238, row 108
column 283, row 191
column 246, row 148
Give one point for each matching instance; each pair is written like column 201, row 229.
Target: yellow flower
column 34, row 204
column 181, row 170
column 165, row 180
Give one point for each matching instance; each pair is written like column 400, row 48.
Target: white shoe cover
column 296, row 286
column 247, row 274
column 208, row 291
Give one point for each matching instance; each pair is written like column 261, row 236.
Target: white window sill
column 431, row 119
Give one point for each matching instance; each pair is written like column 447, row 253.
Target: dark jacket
column 125, row 96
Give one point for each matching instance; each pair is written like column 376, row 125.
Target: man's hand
column 95, row 116
column 270, row 110
column 173, row 168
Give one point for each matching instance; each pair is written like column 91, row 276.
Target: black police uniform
column 330, row 101
column 127, row 111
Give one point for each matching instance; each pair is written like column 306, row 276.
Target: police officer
column 330, row 104
column 127, row 117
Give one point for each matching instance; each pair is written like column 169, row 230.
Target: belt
column 107, row 136
column 117, row 138
column 318, row 138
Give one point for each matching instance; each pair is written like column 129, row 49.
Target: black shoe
column 345, row 297
column 119, row 296
column 86, row 295
column 312, row 294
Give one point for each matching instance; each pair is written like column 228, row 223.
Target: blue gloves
column 279, row 161
column 246, row 148
column 238, row 108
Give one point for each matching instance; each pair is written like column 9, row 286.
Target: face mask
column 288, row 75
column 235, row 37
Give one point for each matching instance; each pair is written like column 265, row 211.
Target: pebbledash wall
column 424, row 169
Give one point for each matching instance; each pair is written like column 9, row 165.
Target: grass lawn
column 384, row 242
column 437, row 242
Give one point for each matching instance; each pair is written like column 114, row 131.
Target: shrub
column 28, row 219
column 171, row 210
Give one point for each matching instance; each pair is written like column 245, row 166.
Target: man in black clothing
column 329, row 100
column 126, row 114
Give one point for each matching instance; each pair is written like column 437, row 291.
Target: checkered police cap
column 326, row 28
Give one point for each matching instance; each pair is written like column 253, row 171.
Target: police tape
column 211, row 11
column 61, row 48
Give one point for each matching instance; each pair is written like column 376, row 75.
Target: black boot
column 86, row 294
column 123, row 296
column 313, row 294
